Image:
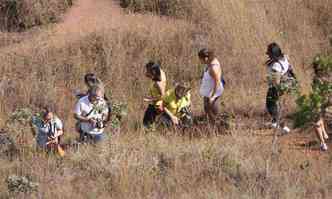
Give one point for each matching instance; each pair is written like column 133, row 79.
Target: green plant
column 311, row 106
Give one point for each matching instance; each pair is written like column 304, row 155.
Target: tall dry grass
column 17, row 15
column 165, row 164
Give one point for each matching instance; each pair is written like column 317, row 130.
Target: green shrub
column 310, row 106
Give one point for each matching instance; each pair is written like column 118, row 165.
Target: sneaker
column 274, row 125
column 323, row 147
column 285, row 130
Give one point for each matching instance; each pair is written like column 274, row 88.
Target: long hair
column 154, row 69
column 206, row 53
column 274, row 52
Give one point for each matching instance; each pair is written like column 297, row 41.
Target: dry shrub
column 19, row 15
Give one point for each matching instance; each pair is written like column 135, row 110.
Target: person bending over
column 176, row 107
column 156, row 92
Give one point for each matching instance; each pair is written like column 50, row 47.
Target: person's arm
column 161, row 85
column 78, row 115
column 216, row 79
column 174, row 119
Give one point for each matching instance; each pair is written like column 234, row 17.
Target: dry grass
column 138, row 165
column 19, row 15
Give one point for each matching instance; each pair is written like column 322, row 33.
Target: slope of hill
column 98, row 36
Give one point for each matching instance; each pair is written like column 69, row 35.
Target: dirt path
column 88, row 16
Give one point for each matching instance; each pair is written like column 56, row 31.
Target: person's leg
column 206, row 105
column 149, row 116
column 325, row 135
column 319, row 132
column 209, row 109
column 273, row 106
column 215, row 106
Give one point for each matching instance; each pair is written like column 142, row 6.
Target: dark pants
column 273, row 104
column 211, row 108
column 185, row 122
column 150, row 116
column 89, row 138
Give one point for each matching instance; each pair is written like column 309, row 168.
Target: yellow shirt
column 174, row 105
column 155, row 93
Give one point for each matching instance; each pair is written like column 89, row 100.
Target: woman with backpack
column 212, row 84
column 156, row 91
column 280, row 73
column 49, row 130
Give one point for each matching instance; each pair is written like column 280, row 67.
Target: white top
column 94, row 111
column 208, row 82
column 281, row 66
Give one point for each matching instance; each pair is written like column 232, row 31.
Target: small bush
column 311, row 106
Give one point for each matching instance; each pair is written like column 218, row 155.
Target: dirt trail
column 88, row 16
column 85, row 17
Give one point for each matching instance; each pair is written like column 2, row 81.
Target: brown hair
column 48, row 109
column 206, row 53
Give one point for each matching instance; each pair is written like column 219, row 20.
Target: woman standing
column 279, row 69
column 156, row 92
column 212, row 85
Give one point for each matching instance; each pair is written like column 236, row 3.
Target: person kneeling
column 176, row 107
column 91, row 113
column 49, row 129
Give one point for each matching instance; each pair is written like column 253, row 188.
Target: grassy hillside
column 48, row 67
column 19, row 15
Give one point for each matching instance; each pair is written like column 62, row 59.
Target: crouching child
column 176, row 107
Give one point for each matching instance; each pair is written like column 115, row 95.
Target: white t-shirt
column 280, row 66
column 208, row 82
column 95, row 111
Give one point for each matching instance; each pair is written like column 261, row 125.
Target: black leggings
column 273, row 104
column 150, row 116
column 211, row 107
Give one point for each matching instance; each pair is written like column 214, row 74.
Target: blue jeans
column 85, row 137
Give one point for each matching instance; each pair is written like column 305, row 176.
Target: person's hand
column 52, row 140
column 175, row 120
column 93, row 122
column 147, row 99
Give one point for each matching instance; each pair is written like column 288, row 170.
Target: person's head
column 90, row 80
column 48, row 113
column 206, row 56
column 95, row 94
column 181, row 90
column 153, row 71
column 274, row 51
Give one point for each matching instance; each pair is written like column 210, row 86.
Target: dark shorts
column 211, row 107
column 150, row 116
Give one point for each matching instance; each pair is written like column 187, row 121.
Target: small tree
column 312, row 105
